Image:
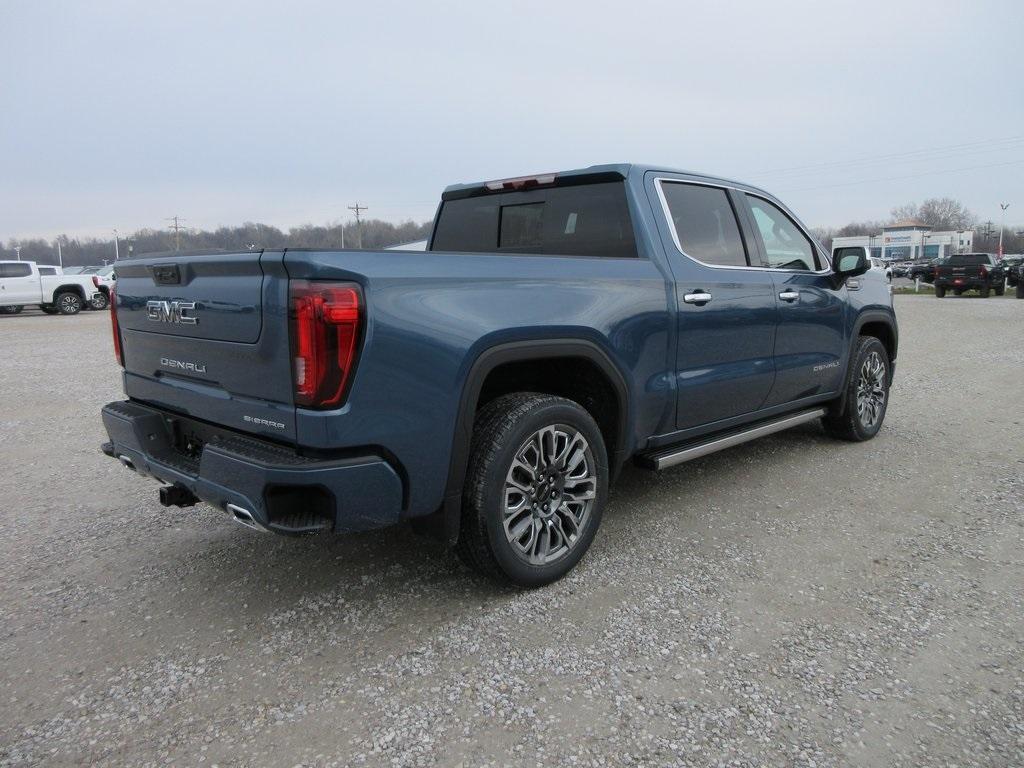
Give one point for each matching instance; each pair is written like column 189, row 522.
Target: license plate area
column 188, row 437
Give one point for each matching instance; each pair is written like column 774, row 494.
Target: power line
column 176, row 226
column 951, row 150
column 900, row 178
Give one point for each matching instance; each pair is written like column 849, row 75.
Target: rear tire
column 1020, row 289
column 939, row 292
column 68, row 303
column 99, row 301
column 528, row 449
column 999, row 289
column 9, row 309
column 867, row 393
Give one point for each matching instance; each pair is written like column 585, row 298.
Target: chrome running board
column 669, row 457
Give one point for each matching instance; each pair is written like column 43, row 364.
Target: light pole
column 17, row 252
column 1002, row 223
column 60, row 256
column 115, row 245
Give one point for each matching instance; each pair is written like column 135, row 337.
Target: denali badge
column 183, row 365
column 171, row 312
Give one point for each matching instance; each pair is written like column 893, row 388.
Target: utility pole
column 116, row 254
column 1002, row 224
column 17, row 252
column 176, row 226
column 359, row 224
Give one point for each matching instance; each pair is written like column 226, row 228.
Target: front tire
column 535, row 489
column 983, row 292
column 99, row 301
column 999, row 289
column 940, row 292
column 867, row 393
column 1020, row 289
column 68, row 303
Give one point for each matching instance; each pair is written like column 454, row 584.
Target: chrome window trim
column 667, row 213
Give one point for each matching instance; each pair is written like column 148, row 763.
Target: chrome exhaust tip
column 244, row 517
column 126, row 462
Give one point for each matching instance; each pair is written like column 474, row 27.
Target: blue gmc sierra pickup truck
column 490, row 388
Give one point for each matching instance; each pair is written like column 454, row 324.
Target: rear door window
column 583, row 220
column 705, row 224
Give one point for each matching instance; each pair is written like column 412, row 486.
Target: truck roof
column 593, row 173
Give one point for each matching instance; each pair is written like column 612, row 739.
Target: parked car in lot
column 901, row 269
column 1011, row 266
column 961, row 272
column 1018, row 282
column 925, row 270
column 104, row 278
column 491, row 389
column 22, row 284
column 881, row 267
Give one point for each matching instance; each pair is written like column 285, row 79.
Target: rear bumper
column 278, row 488
column 966, row 283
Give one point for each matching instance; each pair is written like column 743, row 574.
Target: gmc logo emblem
column 171, row 312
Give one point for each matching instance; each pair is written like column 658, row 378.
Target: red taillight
column 984, row 271
column 325, row 325
column 118, row 352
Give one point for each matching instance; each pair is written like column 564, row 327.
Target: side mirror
column 850, row 261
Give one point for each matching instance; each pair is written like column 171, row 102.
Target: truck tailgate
column 197, row 339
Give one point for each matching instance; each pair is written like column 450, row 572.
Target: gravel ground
column 793, row 601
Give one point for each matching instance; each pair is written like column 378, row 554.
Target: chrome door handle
column 790, row 296
column 697, row 298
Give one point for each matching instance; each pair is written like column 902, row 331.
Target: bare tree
column 941, row 213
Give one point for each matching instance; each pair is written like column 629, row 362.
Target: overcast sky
column 123, row 114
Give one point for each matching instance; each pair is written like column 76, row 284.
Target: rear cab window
column 967, row 259
column 579, row 220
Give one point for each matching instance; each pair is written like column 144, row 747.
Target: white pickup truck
column 22, row 284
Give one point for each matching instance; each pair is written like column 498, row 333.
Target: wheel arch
column 529, row 351
column 69, row 288
column 880, row 325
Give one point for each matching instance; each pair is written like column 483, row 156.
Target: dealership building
column 911, row 239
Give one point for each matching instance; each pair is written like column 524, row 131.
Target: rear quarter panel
column 431, row 315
